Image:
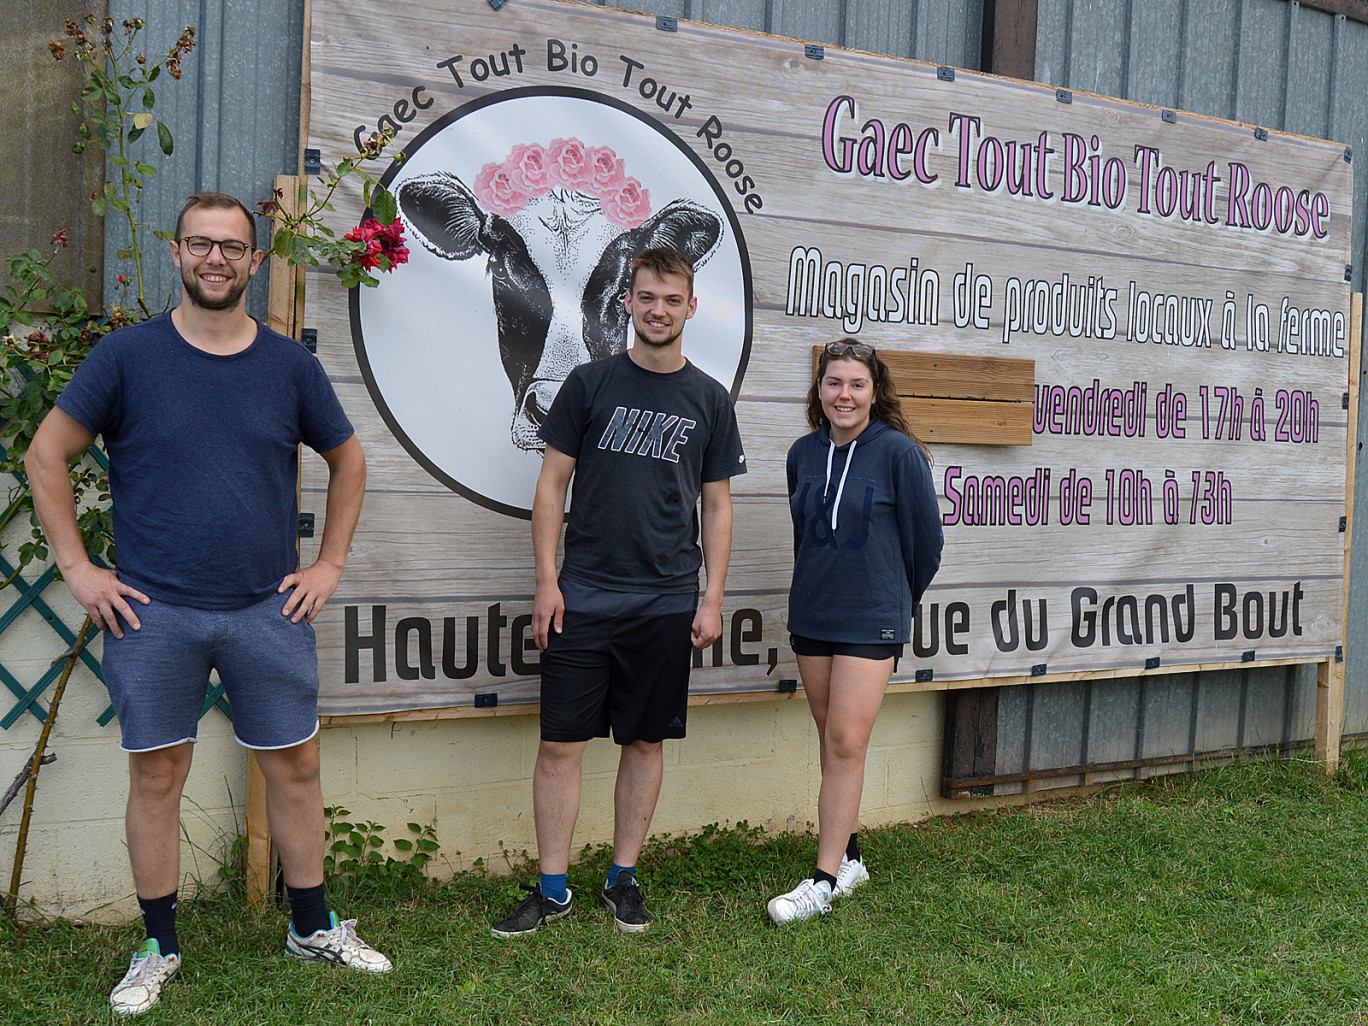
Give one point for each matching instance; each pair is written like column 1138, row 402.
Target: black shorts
column 622, row 661
column 812, row 647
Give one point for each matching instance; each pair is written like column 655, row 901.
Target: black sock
column 853, row 848
column 309, row 908
column 818, row 876
column 159, row 916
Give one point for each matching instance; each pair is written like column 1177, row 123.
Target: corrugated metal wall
column 235, row 114
column 1264, row 62
column 1268, row 62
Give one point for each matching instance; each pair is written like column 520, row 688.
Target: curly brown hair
column 886, row 407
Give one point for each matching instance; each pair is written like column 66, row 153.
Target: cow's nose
column 537, row 402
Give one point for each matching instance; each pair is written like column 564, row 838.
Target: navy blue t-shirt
column 644, row 443
column 202, row 457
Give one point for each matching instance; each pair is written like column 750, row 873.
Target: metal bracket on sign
column 309, row 337
column 313, row 162
column 306, row 525
column 667, row 24
column 945, row 74
column 813, row 51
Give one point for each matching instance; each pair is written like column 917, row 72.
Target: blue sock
column 553, row 886
column 159, row 916
column 615, row 869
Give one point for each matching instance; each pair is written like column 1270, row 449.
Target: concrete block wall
column 76, row 862
column 754, row 761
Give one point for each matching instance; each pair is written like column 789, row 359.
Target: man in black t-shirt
column 644, row 434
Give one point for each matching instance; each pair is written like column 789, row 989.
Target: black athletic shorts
column 622, row 661
column 812, row 647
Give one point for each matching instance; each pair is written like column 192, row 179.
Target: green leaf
column 402, row 844
column 153, row 75
column 282, row 243
column 383, row 205
column 79, row 147
column 164, row 134
column 146, row 169
column 109, row 189
column 119, row 161
column 149, row 99
column 100, row 206
column 90, row 93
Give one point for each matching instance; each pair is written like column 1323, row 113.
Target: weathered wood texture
column 1168, row 385
column 964, row 400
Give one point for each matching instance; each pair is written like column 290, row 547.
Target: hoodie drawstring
column 840, row 487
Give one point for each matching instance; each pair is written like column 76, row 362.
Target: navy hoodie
column 866, row 535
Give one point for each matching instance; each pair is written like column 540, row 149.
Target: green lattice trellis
column 31, row 594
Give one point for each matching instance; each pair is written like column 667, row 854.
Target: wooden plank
column 284, row 299
column 947, row 375
column 1009, row 37
column 965, row 422
column 952, row 376
column 1330, row 679
column 971, row 718
column 1356, row 10
column 258, row 835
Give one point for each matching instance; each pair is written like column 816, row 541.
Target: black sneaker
column 535, row 910
column 625, row 902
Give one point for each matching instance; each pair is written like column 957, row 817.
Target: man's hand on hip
column 313, row 586
column 104, row 597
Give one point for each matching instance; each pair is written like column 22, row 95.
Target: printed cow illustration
column 560, row 227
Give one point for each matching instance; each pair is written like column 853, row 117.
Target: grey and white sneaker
column 339, row 946
column 535, row 911
column 142, row 985
column 806, row 900
column 625, row 902
column 852, row 874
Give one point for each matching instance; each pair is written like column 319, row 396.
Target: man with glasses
column 202, row 411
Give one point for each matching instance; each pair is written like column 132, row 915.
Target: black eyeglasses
column 849, row 349
column 231, row 249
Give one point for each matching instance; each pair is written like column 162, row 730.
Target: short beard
column 197, row 298
column 657, row 345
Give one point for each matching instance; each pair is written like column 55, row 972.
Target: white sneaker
column 806, row 900
column 141, row 986
column 340, row 946
column 852, row 874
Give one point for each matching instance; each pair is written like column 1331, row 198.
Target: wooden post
column 283, row 315
column 258, row 836
column 1009, row 38
column 1330, row 675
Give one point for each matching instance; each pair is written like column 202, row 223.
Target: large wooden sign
column 1122, row 330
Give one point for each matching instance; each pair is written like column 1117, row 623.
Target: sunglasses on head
column 849, row 349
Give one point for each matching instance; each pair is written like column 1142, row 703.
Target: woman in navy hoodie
column 867, row 541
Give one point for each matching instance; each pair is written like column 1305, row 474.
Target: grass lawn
column 1233, row 896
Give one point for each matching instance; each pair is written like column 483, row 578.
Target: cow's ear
column 689, row 229
column 445, row 215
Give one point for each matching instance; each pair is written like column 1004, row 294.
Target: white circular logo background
column 427, row 339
